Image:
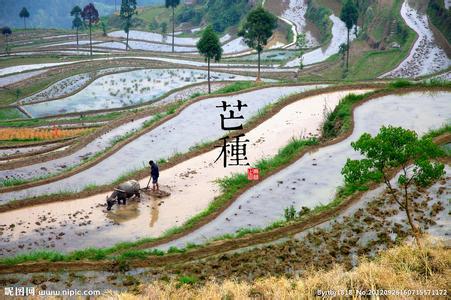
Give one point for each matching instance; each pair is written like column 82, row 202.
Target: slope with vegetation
column 440, row 16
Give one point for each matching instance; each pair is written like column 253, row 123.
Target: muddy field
column 373, row 225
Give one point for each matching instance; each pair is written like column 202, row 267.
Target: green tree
column 173, row 4
column 6, row 31
column 24, row 14
column 128, row 10
column 393, row 148
column 164, row 28
column 76, row 22
column 301, row 43
column 349, row 16
column 90, row 15
column 104, row 28
column 210, row 47
column 257, row 29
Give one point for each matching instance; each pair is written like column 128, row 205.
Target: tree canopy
column 209, row 45
column 172, row 3
column 24, row 13
column 128, row 10
column 76, row 22
column 258, row 28
column 76, row 10
column 6, row 31
column 90, row 14
column 395, row 148
column 349, row 14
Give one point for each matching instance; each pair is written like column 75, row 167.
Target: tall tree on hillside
column 257, row 29
column 392, row 148
column 173, row 4
column 76, row 22
column 349, row 16
column 90, row 15
column 128, row 10
column 24, row 14
column 6, row 31
column 301, row 43
column 210, row 47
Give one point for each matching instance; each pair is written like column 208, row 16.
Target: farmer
column 154, row 173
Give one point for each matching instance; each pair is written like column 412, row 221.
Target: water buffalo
column 123, row 192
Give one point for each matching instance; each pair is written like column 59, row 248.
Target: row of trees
column 257, row 29
column 89, row 16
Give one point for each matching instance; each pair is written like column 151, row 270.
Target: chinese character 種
column 231, row 116
column 233, row 151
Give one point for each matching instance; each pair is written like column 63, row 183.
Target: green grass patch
column 236, row 87
column 339, row 120
column 319, row 16
column 439, row 131
column 440, row 17
column 11, row 113
column 188, row 280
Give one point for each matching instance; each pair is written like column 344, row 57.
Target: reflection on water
column 123, row 213
column 134, row 208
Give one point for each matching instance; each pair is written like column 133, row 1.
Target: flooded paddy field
column 6, row 152
column 162, row 142
column 192, row 184
column 295, row 12
column 426, row 56
column 55, row 166
column 339, row 33
column 101, row 143
column 126, row 89
column 314, row 179
column 69, row 85
column 374, row 224
column 7, row 80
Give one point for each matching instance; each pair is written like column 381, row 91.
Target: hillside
column 53, row 13
column 221, row 14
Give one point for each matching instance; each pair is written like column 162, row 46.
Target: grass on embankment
column 10, row 113
column 50, row 122
column 403, row 268
column 339, row 120
column 229, row 185
column 232, row 184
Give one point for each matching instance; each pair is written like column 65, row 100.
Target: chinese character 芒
column 233, row 151
column 231, row 116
